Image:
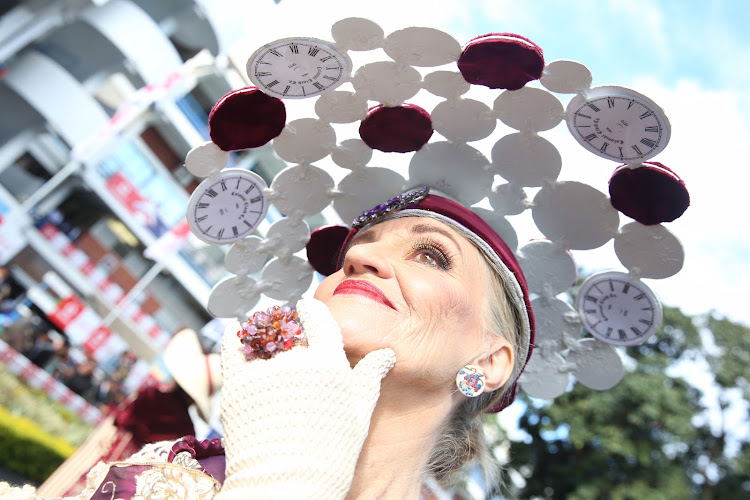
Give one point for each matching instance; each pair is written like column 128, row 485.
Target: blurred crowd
column 50, row 350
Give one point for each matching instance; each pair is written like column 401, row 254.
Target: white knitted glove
column 295, row 424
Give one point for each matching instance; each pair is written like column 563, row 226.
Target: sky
column 690, row 57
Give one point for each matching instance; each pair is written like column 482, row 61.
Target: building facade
column 100, row 102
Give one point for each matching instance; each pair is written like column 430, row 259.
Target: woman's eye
column 430, row 254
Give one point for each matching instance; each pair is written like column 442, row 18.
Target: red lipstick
column 365, row 289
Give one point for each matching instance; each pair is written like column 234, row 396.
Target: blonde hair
column 463, row 439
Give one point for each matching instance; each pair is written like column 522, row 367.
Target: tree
column 649, row 436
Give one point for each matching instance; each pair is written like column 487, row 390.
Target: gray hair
column 462, row 440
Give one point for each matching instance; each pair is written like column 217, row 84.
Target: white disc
column 301, row 190
column 500, row 224
column 575, row 214
column 422, row 47
column 365, row 188
column 287, row 236
column 463, row 120
column 649, row 251
column 233, row 297
column 286, row 279
column 356, row 33
column 387, row 82
column 457, row 170
column 544, row 378
column 341, row 106
column 566, row 77
column 554, row 321
column 305, row 140
column 351, row 154
column 245, row 256
column 529, row 109
column 526, row 159
column 549, row 269
column 448, row 84
column 206, row 159
column 508, row 199
column 597, row 365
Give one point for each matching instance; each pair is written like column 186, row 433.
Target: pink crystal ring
column 267, row 333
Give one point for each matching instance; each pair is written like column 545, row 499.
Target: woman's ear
column 498, row 365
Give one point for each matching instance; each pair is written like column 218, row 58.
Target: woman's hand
column 295, row 423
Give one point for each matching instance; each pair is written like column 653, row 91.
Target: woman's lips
column 365, row 289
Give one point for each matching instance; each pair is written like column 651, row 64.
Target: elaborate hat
column 432, row 71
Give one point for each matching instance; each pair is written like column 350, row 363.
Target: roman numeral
column 201, row 219
column 591, row 298
column 318, row 86
column 594, row 107
column 584, row 116
column 275, row 52
column 328, row 68
column 646, row 322
column 203, row 205
column 256, row 199
column 294, row 48
column 647, row 308
column 329, row 77
column 247, row 191
column 603, row 149
column 630, row 104
column 611, row 102
column 211, row 193
column 220, row 233
column 286, row 89
column 275, row 82
column 637, row 150
column 645, row 115
column 611, row 286
column 636, row 331
column 609, row 331
column 234, row 231
column 223, row 186
column 589, row 137
column 313, row 51
column 648, row 142
column 262, row 73
column 247, row 224
column 238, row 184
column 639, row 296
column 620, row 148
column 326, row 58
column 625, row 288
column 652, row 128
column 590, row 311
column 622, row 333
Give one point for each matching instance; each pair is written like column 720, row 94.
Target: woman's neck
column 398, row 446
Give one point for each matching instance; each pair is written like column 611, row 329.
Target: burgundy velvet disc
column 400, row 129
column 246, row 118
column 650, row 194
column 501, row 61
column 324, row 247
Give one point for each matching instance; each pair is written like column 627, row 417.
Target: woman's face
column 417, row 286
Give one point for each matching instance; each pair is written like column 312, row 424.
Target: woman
column 423, row 292
column 418, row 297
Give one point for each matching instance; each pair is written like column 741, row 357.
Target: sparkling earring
column 470, row 381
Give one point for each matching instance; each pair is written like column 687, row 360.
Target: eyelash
column 443, row 258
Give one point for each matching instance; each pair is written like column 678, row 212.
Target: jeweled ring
column 267, row 333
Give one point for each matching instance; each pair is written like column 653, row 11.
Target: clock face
column 228, row 207
column 618, row 310
column 296, row 68
column 618, row 124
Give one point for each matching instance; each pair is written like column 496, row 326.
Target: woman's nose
column 368, row 258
